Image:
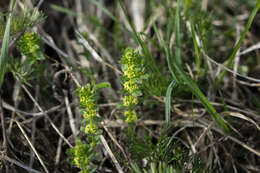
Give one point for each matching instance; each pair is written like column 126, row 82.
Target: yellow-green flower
column 130, row 73
column 79, row 153
column 130, row 57
column 131, row 116
column 130, row 100
column 86, row 97
column 131, row 86
column 90, row 114
column 84, row 153
column 91, row 129
column 30, row 45
column 133, row 68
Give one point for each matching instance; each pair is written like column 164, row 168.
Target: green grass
column 239, row 43
column 5, row 46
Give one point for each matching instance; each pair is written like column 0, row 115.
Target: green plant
column 21, row 71
column 5, row 44
column 82, row 155
column 133, row 77
column 84, row 152
column 31, row 65
column 30, row 45
column 162, row 167
column 21, row 21
column 166, row 156
column 156, row 168
column 18, row 23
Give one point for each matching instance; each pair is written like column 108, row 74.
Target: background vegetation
column 195, row 106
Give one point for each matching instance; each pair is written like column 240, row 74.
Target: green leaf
column 205, row 102
column 64, row 10
column 166, row 49
column 104, row 9
column 177, row 35
column 4, row 50
column 168, row 101
column 13, row 4
column 102, row 85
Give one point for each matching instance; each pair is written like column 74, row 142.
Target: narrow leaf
column 102, row 85
column 177, row 35
column 205, row 102
column 4, row 50
column 168, row 101
column 196, row 48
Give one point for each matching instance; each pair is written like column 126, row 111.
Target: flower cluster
column 30, row 45
column 79, row 153
column 83, row 153
column 89, row 105
column 133, row 68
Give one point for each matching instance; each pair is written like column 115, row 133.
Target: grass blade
column 168, row 101
column 105, row 10
column 205, row 102
column 195, row 48
column 166, row 48
column 145, row 49
column 135, row 35
column 177, row 35
column 64, row 10
column 232, row 57
column 180, row 77
column 4, row 50
column 135, row 168
column 5, row 46
column 188, row 81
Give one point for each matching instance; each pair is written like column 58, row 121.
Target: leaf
column 205, row 102
column 4, row 50
column 177, row 35
column 64, row 10
column 102, row 85
column 168, row 101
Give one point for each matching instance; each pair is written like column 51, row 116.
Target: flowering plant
column 84, row 152
column 133, row 77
